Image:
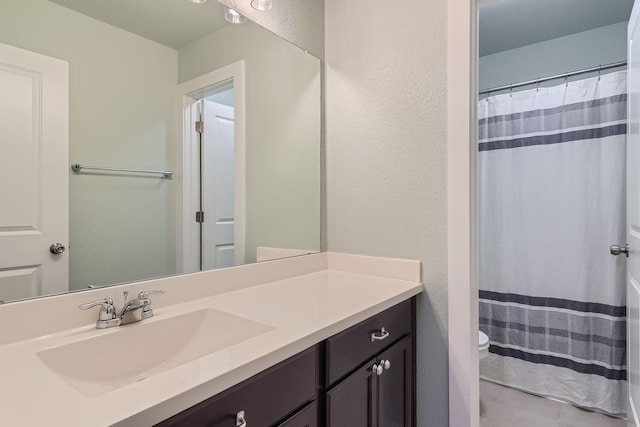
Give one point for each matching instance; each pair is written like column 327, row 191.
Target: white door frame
column 187, row 160
column 631, row 224
column 462, row 94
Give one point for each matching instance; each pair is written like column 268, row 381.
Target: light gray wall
column 282, row 131
column 122, row 90
column 386, row 145
column 575, row 52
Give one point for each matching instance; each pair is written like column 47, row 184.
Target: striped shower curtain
column 551, row 172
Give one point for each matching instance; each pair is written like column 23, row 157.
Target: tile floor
column 505, row 407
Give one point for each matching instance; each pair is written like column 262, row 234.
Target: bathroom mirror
column 127, row 218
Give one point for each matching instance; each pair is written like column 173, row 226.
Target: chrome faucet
column 137, row 309
column 133, row 310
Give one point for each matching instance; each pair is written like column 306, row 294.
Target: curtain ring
column 511, row 91
column 566, row 79
column 537, row 85
column 599, row 71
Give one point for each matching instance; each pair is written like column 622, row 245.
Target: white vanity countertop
column 334, row 292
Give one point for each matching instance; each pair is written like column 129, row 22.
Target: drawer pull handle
column 377, row 369
column 383, row 334
column 240, row 421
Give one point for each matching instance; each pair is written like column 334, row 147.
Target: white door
column 33, row 173
column 218, row 176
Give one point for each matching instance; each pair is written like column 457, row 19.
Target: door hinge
column 199, row 216
column 200, row 126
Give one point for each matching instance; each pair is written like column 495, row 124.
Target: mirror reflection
column 196, row 143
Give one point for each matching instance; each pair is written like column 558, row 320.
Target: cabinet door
column 352, row 402
column 395, row 386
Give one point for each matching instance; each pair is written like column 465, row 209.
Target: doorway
column 550, row 158
column 211, row 151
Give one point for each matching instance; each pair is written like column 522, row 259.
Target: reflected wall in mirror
column 299, row 21
column 122, row 63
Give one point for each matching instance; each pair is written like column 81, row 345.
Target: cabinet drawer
column 307, row 417
column 349, row 349
column 265, row 398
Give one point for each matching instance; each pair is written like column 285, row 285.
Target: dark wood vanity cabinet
column 367, row 399
column 380, row 391
column 264, row 400
column 363, row 376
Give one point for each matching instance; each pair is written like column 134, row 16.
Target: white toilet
column 483, row 344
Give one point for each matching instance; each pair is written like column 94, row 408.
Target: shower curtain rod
column 557, row 76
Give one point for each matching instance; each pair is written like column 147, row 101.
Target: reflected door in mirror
column 33, row 174
column 217, row 184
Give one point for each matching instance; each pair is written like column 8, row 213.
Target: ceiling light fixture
column 233, row 16
column 262, row 5
column 197, row 1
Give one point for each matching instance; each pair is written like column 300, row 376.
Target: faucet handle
column 146, row 310
column 144, row 294
column 107, row 308
column 107, row 316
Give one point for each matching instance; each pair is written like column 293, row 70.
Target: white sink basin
column 132, row 353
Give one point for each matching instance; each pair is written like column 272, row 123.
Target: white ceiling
column 173, row 23
column 509, row 24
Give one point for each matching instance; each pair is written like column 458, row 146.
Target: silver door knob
column 617, row 250
column 377, row 369
column 57, row 248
